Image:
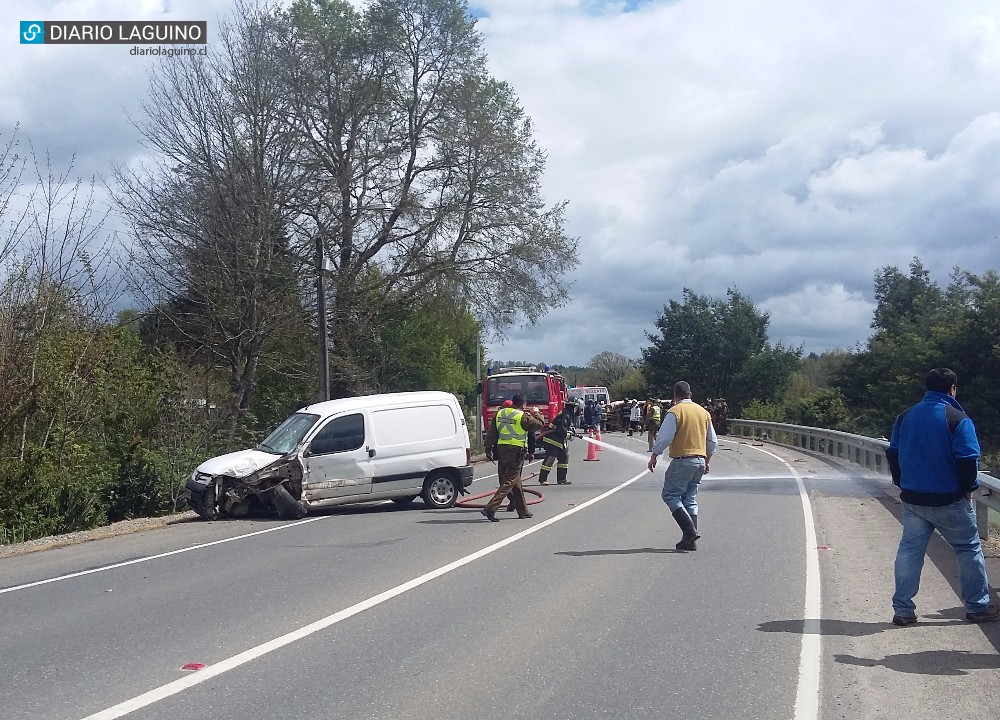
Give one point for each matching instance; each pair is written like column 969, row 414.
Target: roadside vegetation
column 359, row 171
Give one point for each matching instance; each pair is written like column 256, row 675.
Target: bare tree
column 611, row 366
column 211, row 212
column 58, row 284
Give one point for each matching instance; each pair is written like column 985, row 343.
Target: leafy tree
column 631, row 385
column 822, row 409
column 424, row 174
column 909, row 321
column 612, row 367
column 720, row 347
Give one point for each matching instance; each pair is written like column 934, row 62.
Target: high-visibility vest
column 510, row 429
column 655, row 412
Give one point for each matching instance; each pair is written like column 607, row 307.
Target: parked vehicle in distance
column 374, row 447
column 589, row 392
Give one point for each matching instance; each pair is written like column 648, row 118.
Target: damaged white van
column 374, row 447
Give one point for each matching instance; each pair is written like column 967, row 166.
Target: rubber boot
column 683, row 520
column 694, row 522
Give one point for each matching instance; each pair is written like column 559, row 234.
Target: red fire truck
column 544, row 390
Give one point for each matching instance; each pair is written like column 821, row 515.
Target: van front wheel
column 440, row 491
column 288, row 507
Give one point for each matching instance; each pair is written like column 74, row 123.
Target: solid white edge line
column 136, row 561
column 211, row 671
column 810, row 659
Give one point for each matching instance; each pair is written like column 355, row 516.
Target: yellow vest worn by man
column 692, row 430
column 509, row 428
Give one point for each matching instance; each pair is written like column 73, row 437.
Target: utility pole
column 479, row 393
column 321, row 321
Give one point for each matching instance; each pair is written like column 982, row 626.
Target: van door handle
column 371, row 452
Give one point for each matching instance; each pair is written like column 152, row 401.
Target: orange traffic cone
column 600, row 448
column 591, row 452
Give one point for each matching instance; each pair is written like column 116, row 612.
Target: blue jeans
column 957, row 524
column 681, row 482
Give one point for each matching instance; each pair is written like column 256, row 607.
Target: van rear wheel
column 440, row 491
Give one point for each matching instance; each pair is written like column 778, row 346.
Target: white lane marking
column 136, row 561
column 157, row 557
column 211, row 671
column 810, row 665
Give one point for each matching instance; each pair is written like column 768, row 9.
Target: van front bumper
column 466, row 475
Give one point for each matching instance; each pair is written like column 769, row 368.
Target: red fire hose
column 470, row 502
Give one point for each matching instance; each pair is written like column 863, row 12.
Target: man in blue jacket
column 933, row 456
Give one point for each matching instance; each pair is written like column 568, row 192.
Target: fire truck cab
column 544, row 391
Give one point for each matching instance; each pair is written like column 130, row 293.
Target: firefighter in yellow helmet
column 507, row 443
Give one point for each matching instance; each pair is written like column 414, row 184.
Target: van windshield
column 289, row 434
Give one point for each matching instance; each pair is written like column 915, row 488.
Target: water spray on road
column 713, row 476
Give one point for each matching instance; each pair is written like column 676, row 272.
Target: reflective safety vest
column 655, row 412
column 510, row 429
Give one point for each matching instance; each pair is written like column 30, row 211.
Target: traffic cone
column 600, row 448
column 591, row 452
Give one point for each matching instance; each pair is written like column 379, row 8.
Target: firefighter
column 720, row 416
column 555, row 440
column 652, row 422
column 507, row 443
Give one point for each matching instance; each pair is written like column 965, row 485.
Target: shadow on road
column 929, row 662
column 629, row 551
column 845, row 628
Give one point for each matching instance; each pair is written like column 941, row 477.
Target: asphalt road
column 584, row 611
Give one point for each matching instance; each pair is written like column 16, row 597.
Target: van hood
column 238, row 464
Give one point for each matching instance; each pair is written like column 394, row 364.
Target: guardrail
column 867, row 452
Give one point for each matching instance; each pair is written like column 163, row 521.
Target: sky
column 784, row 148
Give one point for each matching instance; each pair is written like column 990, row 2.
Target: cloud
column 787, row 149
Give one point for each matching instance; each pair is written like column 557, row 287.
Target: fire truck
column 544, row 390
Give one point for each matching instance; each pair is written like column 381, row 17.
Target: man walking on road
column 933, row 456
column 507, row 443
column 687, row 430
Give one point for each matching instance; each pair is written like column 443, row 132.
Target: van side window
column 339, row 435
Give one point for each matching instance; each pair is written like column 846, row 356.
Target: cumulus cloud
column 788, row 149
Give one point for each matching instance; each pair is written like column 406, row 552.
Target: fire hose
column 470, row 502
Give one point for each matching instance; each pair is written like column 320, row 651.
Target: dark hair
column 940, row 380
column 518, row 400
column 682, row 390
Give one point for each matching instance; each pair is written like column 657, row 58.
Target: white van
column 373, row 447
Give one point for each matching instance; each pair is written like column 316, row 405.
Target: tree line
column 328, row 171
column 721, row 346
